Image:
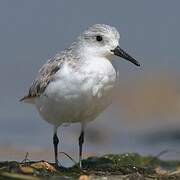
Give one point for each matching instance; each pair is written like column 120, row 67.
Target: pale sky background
column 33, row 31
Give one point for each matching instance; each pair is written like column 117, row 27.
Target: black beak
column 121, row 53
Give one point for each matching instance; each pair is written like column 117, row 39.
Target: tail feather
column 27, row 99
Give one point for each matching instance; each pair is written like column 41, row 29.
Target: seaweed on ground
column 111, row 166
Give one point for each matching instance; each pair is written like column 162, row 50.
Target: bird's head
column 102, row 40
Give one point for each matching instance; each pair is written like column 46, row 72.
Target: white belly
column 77, row 96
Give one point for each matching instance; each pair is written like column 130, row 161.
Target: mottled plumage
column 76, row 85
column 47, row 71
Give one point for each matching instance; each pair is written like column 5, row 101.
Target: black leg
column 55, row 142
column 81, row 140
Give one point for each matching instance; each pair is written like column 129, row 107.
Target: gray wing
column 44, row 77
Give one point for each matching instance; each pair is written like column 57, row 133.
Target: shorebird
column 76, row 84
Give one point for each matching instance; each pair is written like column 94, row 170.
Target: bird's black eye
column 99, row 38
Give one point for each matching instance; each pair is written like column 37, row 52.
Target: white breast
column 78, row 94
column 100, row 74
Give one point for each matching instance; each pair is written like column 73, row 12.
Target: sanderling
column 76, row 84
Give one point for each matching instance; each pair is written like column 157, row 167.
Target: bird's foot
column 58, row 165
column 80, row 164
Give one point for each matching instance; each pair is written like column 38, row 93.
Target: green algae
column 125, row 166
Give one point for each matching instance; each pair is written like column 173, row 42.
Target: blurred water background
column 145, row 115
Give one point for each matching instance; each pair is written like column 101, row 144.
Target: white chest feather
column 100, row 77
column 93, row 78
column 77, row 95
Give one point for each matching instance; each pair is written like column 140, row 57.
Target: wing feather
column 49, row 69
column 44, row 77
